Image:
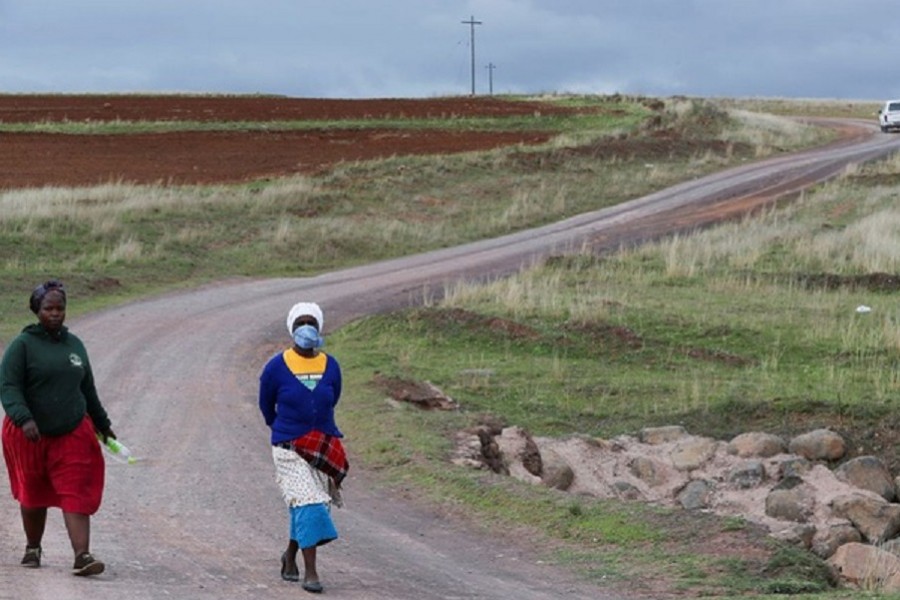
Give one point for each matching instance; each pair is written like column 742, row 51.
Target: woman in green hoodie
column 49, row 434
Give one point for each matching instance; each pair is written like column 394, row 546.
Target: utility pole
column 472, row 23
column 490, row 67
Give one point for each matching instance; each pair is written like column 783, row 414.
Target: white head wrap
column 305, row 309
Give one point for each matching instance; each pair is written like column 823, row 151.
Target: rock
column 647, row 470
column 520, row 454
column 795, row 467
column 821, row 444
column 662, row 435
column 796, row 534
column 557, row 473
column 490, row 453
column 791, row 501
column 868, row 473
column 875, row 519
column 827, row 540
column 811, row 504
column 592, row 462
column 868, row 567
column 627, row 491
column 755, row 444
column 748, row 474
column 696, row 494
column 691, row 453
column 468, row 451
column 422, row 394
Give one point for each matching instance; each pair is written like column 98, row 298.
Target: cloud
column 356, row 48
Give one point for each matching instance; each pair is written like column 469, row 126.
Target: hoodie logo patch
column 75, row 360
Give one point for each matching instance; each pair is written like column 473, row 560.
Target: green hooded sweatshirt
column 49, row 379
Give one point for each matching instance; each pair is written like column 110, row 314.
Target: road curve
column 199, row 516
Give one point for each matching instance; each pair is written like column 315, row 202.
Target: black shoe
column 86, row 564
column 32, row 558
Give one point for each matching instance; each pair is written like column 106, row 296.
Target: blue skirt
column 311, row 525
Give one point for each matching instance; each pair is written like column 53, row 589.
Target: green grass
column 717, row 331
column 598, row 113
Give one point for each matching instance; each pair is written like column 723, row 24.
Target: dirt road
column 199, row 516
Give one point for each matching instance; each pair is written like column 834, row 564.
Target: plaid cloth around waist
column 323, row 452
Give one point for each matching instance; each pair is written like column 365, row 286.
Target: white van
column 889, row 115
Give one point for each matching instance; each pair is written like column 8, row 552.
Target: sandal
column 287, row 576
column 313, row 587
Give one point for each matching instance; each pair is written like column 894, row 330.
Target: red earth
column 191, row 157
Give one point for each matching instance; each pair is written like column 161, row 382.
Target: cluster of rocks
column 848, row 515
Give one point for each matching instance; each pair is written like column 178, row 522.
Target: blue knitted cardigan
column 292, row 410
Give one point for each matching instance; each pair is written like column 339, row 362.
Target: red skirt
column 65, row 471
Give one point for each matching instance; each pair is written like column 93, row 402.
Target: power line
column 472, row 23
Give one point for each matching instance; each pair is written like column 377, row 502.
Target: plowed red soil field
column 190, row 157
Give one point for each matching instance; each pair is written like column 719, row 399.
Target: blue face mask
column 307, row 336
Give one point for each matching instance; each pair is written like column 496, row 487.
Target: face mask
column 307, row 336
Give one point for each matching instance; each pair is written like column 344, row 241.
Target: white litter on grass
column 862, row 308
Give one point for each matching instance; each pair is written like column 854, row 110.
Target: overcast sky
column 421, row 48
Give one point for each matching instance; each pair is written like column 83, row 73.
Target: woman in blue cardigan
column 298, row 391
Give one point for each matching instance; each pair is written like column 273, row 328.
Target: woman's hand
column 106, row 434
column 31, row 431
